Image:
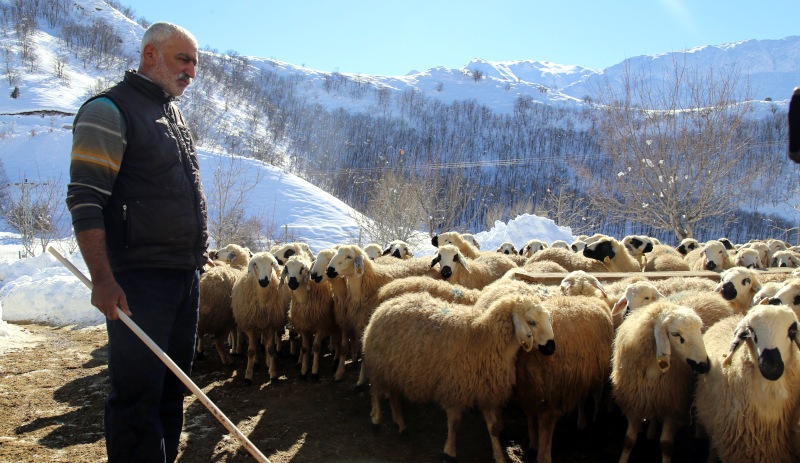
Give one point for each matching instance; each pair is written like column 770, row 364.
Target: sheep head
column 532, row 247
column 320, row 265
column 263, row 267
column 348, row 261
column 748, row 258
column 449, row 259
column 296, row 271
column 637, row 295
column 788, row 295
column 507, row 248
column 769, row 331
column 736, row 281
column 637, row 245
column 604, row 250
column 532, row 325
column 714, row 256
column 580, row 283
column 687, row 245
column 373, row 251
column 677, row 331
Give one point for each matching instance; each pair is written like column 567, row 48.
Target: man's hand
column 107, row 296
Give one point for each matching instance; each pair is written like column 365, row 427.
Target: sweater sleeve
column 98, row 144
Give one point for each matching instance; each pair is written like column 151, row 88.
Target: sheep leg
column 362, row 378
column 547, row 427
column 631, row 434
column 494, row 425
column 222, row 351
column 533, row 432
column 397, row 412
column 342, row 358
column 652, row 430
column 305, row 342
column 198, row 348
column 375, row 412
column 252, row 354
column 316, row 347
column 272, row 355
column 453, row 422
column 668, row 431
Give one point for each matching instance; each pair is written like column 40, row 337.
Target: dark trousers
column 144, row 410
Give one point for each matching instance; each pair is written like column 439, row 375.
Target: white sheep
column 612, row 254
column 646, row 382
column 507, row 247
column 687, row 245
column 339, row 289
column 234, row 255
column 259, row 307
column 471, row 273
column 440, row 289
column 470, row 238
column 283, row 252
column 310, row 313
column 748, row 258
column 578, row 246
column 373, row 250
column 785, row 258
column 567, row 259
column 560, row 244
column 738, row 285
column 457, row 240
column 364, row 278
column 712, row 256
column 215, row 313
column 399, row 249
column 532, row 247
column 748, row 403
column 709, row 305
column 474, row 365
column 665, row 258
column 788, row 295
column 767, row 291
column 548, row 387
column 638, row 246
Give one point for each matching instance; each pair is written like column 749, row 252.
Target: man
column 139, row 215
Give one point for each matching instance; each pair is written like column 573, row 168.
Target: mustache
column 185, row 77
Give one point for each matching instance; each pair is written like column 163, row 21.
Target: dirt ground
column 51, row 403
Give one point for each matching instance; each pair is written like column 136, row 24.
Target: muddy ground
column 52, row 392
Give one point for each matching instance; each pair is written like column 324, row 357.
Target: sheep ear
column 284, row 274
column 436, row 260
column 359, row 264
column 565, row 285
column 410, row 254
column 621, row 305
column 663, row 348
column 276, row 267
column 742, row 333
column 594, row 282
column 463, row 261
column 523, row 332
column 386, row 251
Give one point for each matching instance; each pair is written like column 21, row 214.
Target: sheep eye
column 532, row 322
column 678, row 335
column 796, row 300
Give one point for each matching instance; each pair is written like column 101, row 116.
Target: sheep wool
column 474, row 365
column 749, row 407
column 215, row 314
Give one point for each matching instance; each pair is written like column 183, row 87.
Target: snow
column 40, row 290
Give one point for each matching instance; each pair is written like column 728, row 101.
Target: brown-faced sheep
column 258, row 307
column 656, row 351
column 612, row 254
column 748, row 403
column 466, row 340
column 471, row 273
column 310, row 313
column 548, row 387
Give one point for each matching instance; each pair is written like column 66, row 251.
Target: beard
column 173, row 84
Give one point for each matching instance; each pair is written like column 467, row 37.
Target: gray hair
column 159, row 33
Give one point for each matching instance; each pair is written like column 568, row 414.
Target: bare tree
column 673, row 147
column 230, row 188
column 37, row 212
column 393, row 212
column 448, row 201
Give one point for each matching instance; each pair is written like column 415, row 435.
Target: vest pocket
column 158, row 221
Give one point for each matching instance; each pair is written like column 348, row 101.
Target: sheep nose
column 331, row 272
column 770, row 364
column 263, row 282
column 711, row 266
column 396, row 253
column 447, row 272
column 701, row 368
column 728, row 291
column 775, row 301
column 316, row 277
column 548, row 348
column 293, row 283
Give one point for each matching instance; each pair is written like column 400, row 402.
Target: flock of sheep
column 469, row 328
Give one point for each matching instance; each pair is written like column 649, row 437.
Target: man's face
column 173, row 64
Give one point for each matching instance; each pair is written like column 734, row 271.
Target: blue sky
column 392, row 38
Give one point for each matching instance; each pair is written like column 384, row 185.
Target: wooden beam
column 553, row 278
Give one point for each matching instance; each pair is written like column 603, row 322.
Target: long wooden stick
column 171, row 365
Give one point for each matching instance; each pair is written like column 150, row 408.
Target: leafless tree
column 37, row 212
column 393, row 212
column 228, row 192
column 674, row 147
